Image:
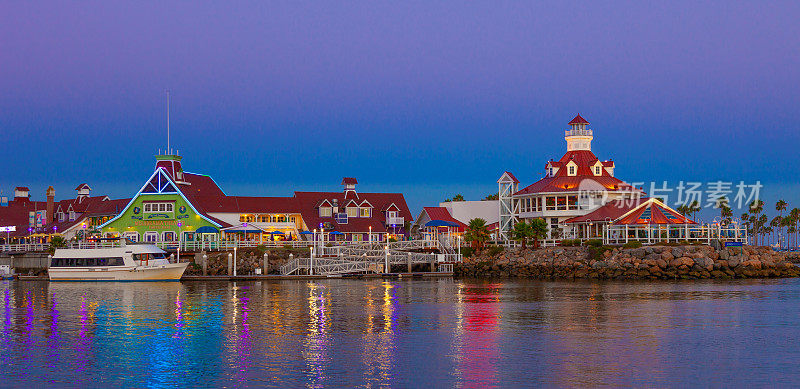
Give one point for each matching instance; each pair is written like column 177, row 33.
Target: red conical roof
column 578, row 120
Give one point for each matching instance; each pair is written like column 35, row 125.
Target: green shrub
column 632, row 245
column 495, row 250
column 467, row 251
column 568, row 242
column 594, row 242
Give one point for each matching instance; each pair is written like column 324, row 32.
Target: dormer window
column 61, row 216
column 597, row 170
column 365, row 212
column 571, row 170
column 352, row 211
column 71, row 215
column 325, row 212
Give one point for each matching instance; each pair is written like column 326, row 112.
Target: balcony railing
column 578, row 133
column 395, row 221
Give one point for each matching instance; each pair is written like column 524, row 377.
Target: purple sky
column 429, row 98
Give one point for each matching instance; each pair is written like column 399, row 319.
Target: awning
column 337, row 233
column 207, row 230
column 306, row 233
column 441, row 223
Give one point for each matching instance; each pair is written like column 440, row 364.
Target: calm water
column 425, row 333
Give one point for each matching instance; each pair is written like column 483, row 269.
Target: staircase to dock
column 370, row 257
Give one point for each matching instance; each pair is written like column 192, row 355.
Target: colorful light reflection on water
column 417, row 333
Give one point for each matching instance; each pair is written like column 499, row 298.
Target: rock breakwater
column 651, row 262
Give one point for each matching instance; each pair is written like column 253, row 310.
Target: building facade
column 182, row 207
column 575, row 185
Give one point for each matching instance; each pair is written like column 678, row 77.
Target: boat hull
column 168, row 272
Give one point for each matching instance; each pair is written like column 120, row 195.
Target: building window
column 325, row 212
column 132, row 236
column 550, row 203
column 169, row 236
column 61, row 216
column 71, row 215
column 597, row 170
column 572, row 170
column 163, row 207
column 151, row 236
column 352, row 211
column 366, row 212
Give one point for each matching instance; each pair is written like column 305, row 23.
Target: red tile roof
column 578, row 120
column 513, row 178
column 615, row 210
column 562, row 182
column 22, row 188
column 441, row 213
column 308, row 201
column 199, row 185
column 244, row 204
column 349, row 181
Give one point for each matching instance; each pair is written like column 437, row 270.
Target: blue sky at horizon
column 427, row 98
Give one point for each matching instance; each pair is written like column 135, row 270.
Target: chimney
column 51, row 196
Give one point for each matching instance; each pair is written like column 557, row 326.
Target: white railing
column 652, row 234
column 578, row 133
column 169, row 246
column 24, row 247
column 396, row 221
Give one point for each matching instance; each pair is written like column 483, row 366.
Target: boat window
column 84, row 262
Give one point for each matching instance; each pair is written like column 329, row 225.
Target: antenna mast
column 168, row 150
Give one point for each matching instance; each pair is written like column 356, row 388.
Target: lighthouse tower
column 579, row 136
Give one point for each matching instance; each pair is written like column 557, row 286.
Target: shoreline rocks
column 651, row 262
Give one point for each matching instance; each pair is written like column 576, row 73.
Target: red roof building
column 345, row 215
column 65, row 217
column 576, row 187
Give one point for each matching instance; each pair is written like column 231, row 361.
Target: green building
column 161, row 211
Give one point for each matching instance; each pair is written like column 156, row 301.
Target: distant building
column 40, row 220
column 460, row 212
column 176, row 205
column 576, row 193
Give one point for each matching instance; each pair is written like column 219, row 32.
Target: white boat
column 133, row 262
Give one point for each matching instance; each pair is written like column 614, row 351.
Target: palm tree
column 477, row 233
column 725, row 211
column 756, row 207
column 458, row 197
column 538, row 230
column 683, row 209
column 780, row 206
column 694, row 208
column 775, row 227
column 794, row 214
column 522, row 232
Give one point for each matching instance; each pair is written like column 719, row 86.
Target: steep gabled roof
column 510, row 176
column 442, row 213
